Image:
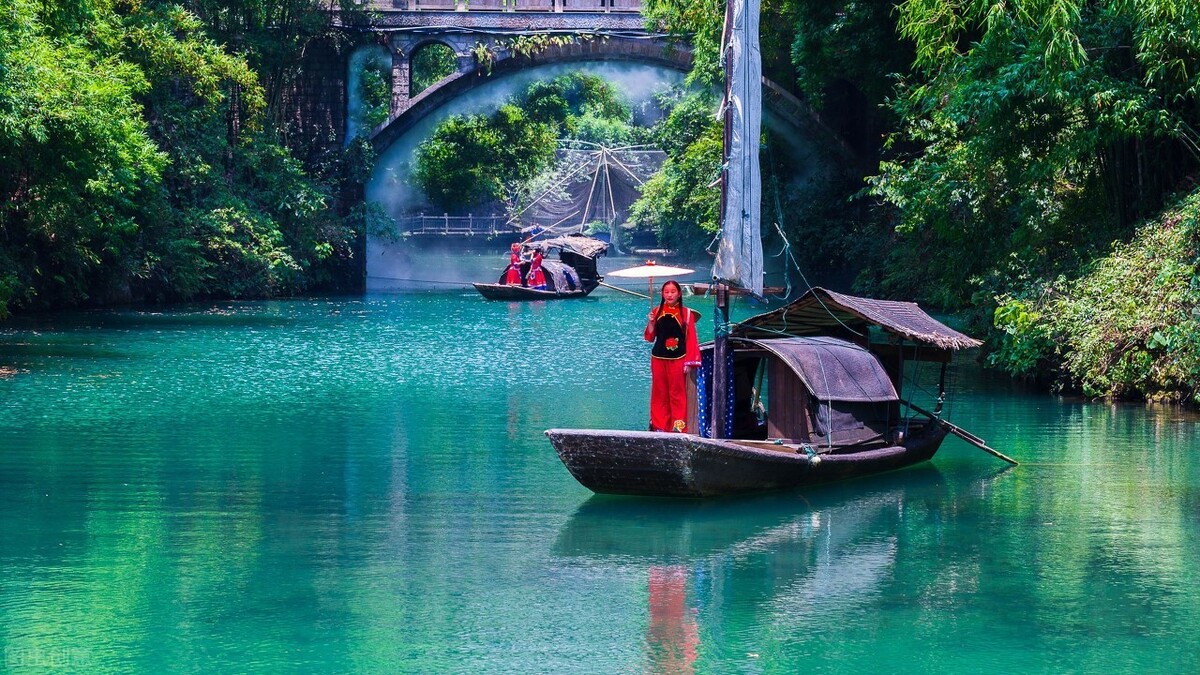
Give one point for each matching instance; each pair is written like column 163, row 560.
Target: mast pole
column 720, row 290
column 720, row 395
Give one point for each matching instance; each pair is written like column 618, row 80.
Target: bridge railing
column 599, row 6
column 468, row 225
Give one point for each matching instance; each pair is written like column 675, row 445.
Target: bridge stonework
column 602, row 29
column 470, row 75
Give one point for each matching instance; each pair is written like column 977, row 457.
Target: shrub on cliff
column 1129, row 327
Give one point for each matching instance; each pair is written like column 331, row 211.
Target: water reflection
column 671, row 636
column 777, row 557
column 363, row 484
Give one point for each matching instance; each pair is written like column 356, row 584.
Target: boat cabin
column 826, row 370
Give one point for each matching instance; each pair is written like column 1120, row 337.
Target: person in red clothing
column 672, row 636
column 672, row 329
column 536, row 277
column 512, row 276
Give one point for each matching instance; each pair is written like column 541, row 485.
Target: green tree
column 75, row 154
column 1033, row 134
column 430, row 64
column 681, row 202
column 469, row 160
column 137, row 162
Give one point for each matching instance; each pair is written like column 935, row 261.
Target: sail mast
column 739, row 253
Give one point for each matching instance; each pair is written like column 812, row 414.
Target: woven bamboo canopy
column 821, row 311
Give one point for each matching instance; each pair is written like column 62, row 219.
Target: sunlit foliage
column 1033, row 135
column 1129, row 327
column 472, row 159
column 136, row 161
column 681, row 202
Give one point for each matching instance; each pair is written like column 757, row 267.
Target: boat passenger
column 536, row 278
column 512, row 276
column 672, row 329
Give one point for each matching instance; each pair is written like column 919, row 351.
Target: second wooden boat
column 573, row 275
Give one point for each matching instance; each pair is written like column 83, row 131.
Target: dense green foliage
column 473, row 159
column 1128, row 327
column 1023, row 141
column 1035, row 135
column 1024, row 154
column 853, row 41
column 137, row 160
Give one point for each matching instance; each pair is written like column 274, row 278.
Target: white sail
column 739, row 255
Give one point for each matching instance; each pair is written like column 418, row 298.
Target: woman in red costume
column 513, row 276
column 672, row 329
column 536, row 277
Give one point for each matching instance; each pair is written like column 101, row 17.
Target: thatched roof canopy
column 580, row 244
column 820, row 311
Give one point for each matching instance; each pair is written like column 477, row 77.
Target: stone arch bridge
column 611, row 30
column 589, row 30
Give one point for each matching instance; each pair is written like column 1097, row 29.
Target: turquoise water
column 361, row 484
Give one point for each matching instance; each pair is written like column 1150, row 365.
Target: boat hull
column 682, row 465
column 511, row 292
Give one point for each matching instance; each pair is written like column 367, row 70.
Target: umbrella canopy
column 649, row 270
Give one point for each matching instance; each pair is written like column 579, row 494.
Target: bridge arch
column 472, row 74
column 415, row 63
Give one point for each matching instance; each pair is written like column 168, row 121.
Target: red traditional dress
column 675, row 346
column 513, row 276
column 536, row 277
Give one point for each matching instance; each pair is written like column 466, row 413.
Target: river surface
column 362, row 485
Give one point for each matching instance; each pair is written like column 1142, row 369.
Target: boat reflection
column 708, row 561
column 619, row 530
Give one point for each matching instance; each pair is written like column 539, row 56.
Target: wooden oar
column 623, row 290
column 962, row 433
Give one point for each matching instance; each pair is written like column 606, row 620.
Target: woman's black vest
column 669, row 337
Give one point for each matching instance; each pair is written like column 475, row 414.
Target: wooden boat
column 573, row 275
column 509, row 292
column 806, row 394
column 701, row 288
column 814, row 400
column 683, row 465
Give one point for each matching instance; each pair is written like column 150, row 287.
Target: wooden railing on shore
column 468, row 225
column 598, row 6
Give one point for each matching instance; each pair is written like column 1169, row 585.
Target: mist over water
column 448, row 263
column 404, row 263
column 390, row 185
column 409, row 263
column 356, row 62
